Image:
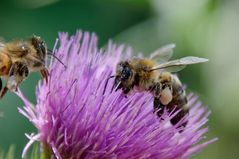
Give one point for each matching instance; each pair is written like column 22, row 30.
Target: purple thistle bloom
column 75, row 120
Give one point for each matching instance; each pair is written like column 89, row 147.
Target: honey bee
column 155, row 74
column 19, row 58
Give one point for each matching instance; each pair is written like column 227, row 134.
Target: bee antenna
column 53, row 55
column 106, row 83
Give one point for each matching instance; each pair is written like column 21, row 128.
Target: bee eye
column 126, row 73
column 42, row 48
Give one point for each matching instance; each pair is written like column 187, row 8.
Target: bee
column 19, row 58
column 155, row 74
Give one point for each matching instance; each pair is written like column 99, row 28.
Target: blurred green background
column 207, row 28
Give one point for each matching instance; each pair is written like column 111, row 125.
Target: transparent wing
column 179, row 64
column 2, row 40
column 174, row 69
column 1, row 44
column 163, row 54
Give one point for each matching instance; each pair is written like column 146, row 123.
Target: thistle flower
column 75, row 120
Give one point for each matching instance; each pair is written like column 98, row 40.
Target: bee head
column 40, row 46
column 124, row 75
column 124, row 71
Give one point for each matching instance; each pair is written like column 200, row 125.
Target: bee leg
column 18, row 72
column 158, row 107
column 4, row 91
column 21, row 73
column 180, row 115
column 45, row 74
column 126, row 90
column 0, row 84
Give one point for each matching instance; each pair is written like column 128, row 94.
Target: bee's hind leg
column 5, row 88
column 179, row 116
column 0, row 84
column 4, row 91
column 158, row 106
column 18, row 72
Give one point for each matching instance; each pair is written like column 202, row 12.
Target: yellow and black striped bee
column 155, row 74
column 19, row 58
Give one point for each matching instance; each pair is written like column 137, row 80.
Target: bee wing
column 179, row 64
column 1, row 44
column 2, row 40
column 163, row 54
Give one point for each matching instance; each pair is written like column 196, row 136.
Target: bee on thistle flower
column 76, row 117
column 144, row 74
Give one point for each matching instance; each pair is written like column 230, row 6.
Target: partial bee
column 154, row 74
column 19, row 58
column 172, row 96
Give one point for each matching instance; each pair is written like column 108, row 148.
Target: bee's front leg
column 126, row 90
column 45, row 74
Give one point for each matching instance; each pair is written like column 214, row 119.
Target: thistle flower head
column 76, row 120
